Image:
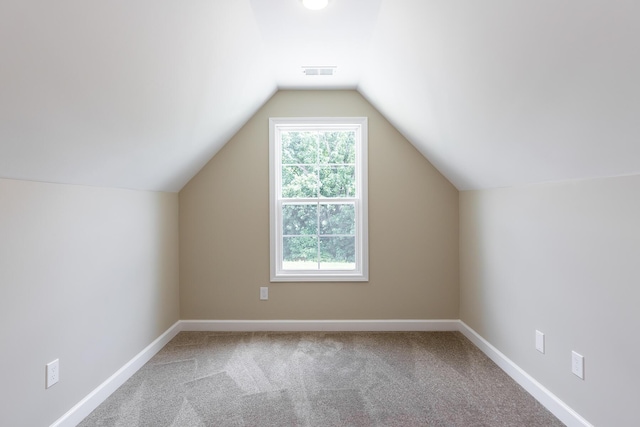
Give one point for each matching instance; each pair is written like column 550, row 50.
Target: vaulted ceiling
column 142, row 93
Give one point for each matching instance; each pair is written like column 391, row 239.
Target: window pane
column 299, row 181
column 318, row 199
column 300, row 219
column 337, row 253
column 338, row 147
column 338, row 219
column 300, row 253
column 338, row 181
column 299, row 148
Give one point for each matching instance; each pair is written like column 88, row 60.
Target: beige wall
column 87, row 275
column 413, row 229
column 564, row 259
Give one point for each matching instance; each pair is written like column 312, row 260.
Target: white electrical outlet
column 264, row 293
column 53, row 373
column 577, row 364
column 540, row 342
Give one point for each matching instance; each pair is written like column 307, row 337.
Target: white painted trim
column 79, row 412
column 320, row 325
column 549, row 400
column 360, row 200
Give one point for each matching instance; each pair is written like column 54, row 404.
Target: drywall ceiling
column 125, row 93
column 500, row 93
column 142, row 93
column 338, row 36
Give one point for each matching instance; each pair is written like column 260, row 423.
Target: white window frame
column 361, row 271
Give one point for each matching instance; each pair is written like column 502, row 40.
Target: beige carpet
column 320, row 379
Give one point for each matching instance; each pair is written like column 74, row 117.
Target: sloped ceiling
column 125, row 93
column 142, row 93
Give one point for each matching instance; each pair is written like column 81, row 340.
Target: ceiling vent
column 328, row 70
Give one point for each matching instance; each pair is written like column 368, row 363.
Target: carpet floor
column 320, row 379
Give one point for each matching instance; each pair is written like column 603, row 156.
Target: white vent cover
column 325, row 70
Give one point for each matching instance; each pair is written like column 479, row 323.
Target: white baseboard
column 557, row 407
column 75, row 415
column 320, row 325
column 549, row 400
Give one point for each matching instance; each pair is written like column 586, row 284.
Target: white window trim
column 361, row 274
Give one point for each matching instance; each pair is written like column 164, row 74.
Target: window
column 318, row 199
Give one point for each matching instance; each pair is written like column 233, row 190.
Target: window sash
column 318, row 232
column 358, row 201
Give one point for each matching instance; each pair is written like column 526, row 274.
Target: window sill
column 316, row 277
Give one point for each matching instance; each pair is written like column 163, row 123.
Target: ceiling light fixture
column 315, row 4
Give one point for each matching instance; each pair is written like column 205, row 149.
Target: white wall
column 87, row 275
column 564, row 259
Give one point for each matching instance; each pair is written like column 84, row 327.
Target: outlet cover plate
column 540, row 342
column 577, row 364
column 53, row 373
